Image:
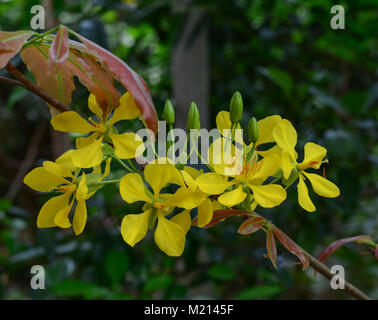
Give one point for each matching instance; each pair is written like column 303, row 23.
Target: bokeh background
column 285, row 59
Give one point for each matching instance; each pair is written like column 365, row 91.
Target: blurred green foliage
column 285, row 59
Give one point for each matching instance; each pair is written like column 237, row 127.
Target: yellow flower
column 265, row 126
column 89, row 152
column 62, row 176
column 186, row 197
column 245, row 175
column 286, row 138
column 169, row 234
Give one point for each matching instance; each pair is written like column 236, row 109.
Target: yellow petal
column 66, row 160
column 253, row 205
column 266, row 126
column 49, row 210
column 126, row 145
column 93, row 106
column 71, row 121
column 82, row 189
column 268, row 167
column 88, row 156
column 158, row 175
column 232, row 198
column 83, row 142
column 269, row 195
column 80, row 217
column 107, row 168
column 169, row 236
column 61, row 218
column 286, row 137
column 42, row 180
column 134, row 227
column 276, row 150
column 133, row 189
column 322, row 186
column 183, row 219
column 213, row 183
column 223, row 121
column 303, row 197
column 287, row 164
column 194, row 173
column 189, row 181
column 57, row 169
column 126, row 110
column 205, row 213
column 313, row 155
column 185, row 198
column 225, row 158
column 216, row 205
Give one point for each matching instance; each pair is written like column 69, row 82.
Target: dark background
column 285, row 59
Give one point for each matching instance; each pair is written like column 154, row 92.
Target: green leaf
column 76, row 288
column 259, row 292
column 116, row 265
column 278, row 76
column 158, row 283
column 221, row 273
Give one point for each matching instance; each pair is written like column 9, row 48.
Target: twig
column 11, row 81
column 31, row 86
column 323, row 269
column 316, row 264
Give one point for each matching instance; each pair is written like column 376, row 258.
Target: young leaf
column 337, row 244
column 128, row 78
column 271, row 247
column 291, row 246
column 94, row 78
column 220, row 215
column 251, row 225
column 11, row 43
column 58, row 84
column 59, row 49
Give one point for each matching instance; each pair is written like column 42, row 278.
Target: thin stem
column 132, row 165
column 40, row 36
column 320, row 267
column 323, row 269
column 11, row 81
column 109, row 181
column 32, row 87
column 124, row 164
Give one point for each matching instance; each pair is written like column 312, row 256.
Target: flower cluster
column 237, row 174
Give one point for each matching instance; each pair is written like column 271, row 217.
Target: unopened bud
column 169, row 113
column 253, row 130
column 193, row 118
column 236, row 107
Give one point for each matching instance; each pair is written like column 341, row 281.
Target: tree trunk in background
column 190, row 68
column 60, row 141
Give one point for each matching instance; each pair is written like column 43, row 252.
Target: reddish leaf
column 59, row 84
column 95, row 78
column 291, row 246
column 10, row 44
column 129, row 79
column 59, row 49
column 220, row 215
column 271, row 247
column 251, row 225
column 337, row 244
column 376, row 252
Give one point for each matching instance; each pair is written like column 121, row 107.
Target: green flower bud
column 169, row 113
column 253, row 130
column 236, row 107
column 193, row 118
